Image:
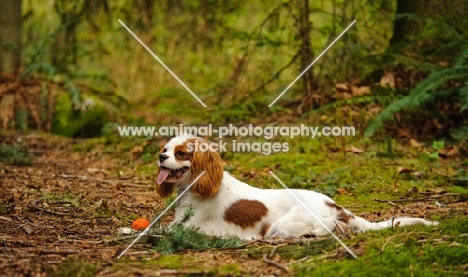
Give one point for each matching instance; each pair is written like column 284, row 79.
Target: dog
column 224, row 206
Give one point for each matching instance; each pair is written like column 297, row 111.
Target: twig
column 139, row 253
column 340, row 230
column 81, row 241
column 274, row 249
column 130, row 237
column 298, row 261
column 35, row 208
column 356, row 206
column 182, row 272
column 278, row 265
column 389, row 239
column 11, row 265
column 86, row 178
column 277, row 74
column 60, row 252
column 119, row 239
column 326, row 256
column 6, row 218
column 291, row 241
column 432, row 197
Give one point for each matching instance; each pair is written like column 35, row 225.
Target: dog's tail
column 359, row 224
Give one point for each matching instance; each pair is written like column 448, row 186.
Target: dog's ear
column 210, row 181
column 165, row 189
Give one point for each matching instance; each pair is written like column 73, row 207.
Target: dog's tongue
column 163, row 174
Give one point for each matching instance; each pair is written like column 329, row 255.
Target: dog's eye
column 180, row 153
column 164, row 150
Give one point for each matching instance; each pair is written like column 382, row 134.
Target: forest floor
column 59, row 215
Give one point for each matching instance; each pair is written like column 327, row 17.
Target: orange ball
column 140, row 224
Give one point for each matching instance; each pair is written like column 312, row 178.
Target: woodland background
column 70, row 74
column 70, row 68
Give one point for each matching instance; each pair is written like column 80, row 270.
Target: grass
column 72, row 267
column 352, row 180
column 411, row 251
column 355, row 180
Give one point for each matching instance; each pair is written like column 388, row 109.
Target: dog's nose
column 163, row 157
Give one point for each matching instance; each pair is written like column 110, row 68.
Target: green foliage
column 70, row 123
column 435, row 86
column 15, row 155
column 401, row 252
column 60, row 61
column 3, row 208
column 73, row 267
column 437, row 146
column 80, row 102
column 180, row 238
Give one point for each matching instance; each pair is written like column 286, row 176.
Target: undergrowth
column 180, row 238
column 15, row 155
column 443, row 84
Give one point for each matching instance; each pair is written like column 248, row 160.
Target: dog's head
column 182, row 160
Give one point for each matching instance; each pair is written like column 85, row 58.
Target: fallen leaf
column 353, row 149
column 414, row 143
column 6, row 218
column 342, row 86
column 135, row 153
column 341, row 190
column 403, row 170
column 360, row 91
column 444, row 153
column 388, row 79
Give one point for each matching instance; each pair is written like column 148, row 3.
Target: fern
column 426, row 91
column 464, row 97
column 15, row 155
column 358, row 100
column 180, row 238
column 45, row 67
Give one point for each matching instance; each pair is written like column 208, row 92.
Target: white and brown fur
column 225, row 206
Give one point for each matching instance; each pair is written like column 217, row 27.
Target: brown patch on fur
column 165, row 189
column 245, row 213
column 210, row 162
column 182, row 153
column 264, row 229
column 342, row 214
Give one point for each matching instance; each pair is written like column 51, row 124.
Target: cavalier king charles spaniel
column 225, row 206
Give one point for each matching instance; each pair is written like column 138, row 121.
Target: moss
column 409, row 251
column 3, row 208
column 231, row 269
column 69, row 122
column 73, row 267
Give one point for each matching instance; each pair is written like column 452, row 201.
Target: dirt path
column 65, row 205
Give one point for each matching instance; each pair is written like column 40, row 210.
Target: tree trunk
column 404, row 27
column 146, row 10
column 10, row 35
column 306, row 56
column 174, row 5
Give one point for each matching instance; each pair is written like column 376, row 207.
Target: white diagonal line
column 314, row 215
column 161, row 62
column 316, row 59
column 160, row 215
